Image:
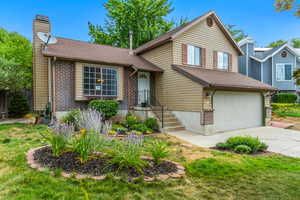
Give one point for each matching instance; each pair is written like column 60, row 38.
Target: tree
column 276, row 43
column 237, row 34
column 15, row 61
column 286, row 5
column 295, row 42
column 145, row 18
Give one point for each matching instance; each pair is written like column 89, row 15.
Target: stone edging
column 35, row 165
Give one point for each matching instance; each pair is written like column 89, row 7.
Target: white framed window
column 223, row 60
column 193, row 55
column 100, row 81
column 284, row 72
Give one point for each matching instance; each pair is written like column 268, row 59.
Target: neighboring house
column 191, row 70
column 273, row 66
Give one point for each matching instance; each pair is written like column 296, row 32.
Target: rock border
column 35, row 165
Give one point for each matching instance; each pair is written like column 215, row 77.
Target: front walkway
column 284, row 141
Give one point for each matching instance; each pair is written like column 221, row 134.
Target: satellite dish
column 47, row 38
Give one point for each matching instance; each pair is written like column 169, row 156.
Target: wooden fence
column 4, row 101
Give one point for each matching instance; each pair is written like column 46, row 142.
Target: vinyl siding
column 174, row 90
column 267, row 71
column 40, row 68
column 242, row 61
column 254, row 69
column 210, row 38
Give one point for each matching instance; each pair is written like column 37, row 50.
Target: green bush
column 18, row 105
column 158, row 150
column 127, row 156
column 285, row 98
column 151, row 123
column 254, row 144
column 70, row 118
column 108, row 108
column 119, row 129
column 222, row 146
column 130, row 121
column 242, row 149
column 286, row 109
column 142, row 128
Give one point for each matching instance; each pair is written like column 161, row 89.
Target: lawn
column 210, row 174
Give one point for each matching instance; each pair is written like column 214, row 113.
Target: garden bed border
column 35, row 165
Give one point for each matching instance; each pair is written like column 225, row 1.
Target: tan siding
column 40, row 68
column 79, row 80
column 211, row 38
column 174, row 90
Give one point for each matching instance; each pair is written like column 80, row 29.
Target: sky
column 69, row 18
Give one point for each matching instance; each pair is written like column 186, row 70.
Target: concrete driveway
column 284, row 141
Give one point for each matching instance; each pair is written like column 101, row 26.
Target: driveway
column 284, row 141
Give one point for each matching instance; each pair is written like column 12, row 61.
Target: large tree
column 295, row 42
column 286, row 5
column 237, row 34
column 276, row 43
column 145, row 18
column 15, row 61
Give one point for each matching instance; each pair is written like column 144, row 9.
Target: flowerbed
column 286, row 109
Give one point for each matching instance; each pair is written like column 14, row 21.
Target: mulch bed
column 259, row 153
column 98, row 166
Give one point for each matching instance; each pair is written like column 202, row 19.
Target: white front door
column 143, row 87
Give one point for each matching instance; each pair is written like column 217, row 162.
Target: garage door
column 237, row 110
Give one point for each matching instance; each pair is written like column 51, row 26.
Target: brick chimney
column 41, row 23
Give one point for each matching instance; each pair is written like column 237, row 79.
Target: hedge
column 285, row 98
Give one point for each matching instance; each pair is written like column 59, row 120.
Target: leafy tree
column 15, row 61
column 145, row 18
column 295, row 43
column 286, row 5
column 237, row 34
column 276, row 43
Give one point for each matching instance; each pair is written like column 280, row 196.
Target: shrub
column 18, row 105
column 141, row 128
column 253, row 143
column 127, row 156
column 130, row 121
column 108, row 108
column 119, row 129
column 59, row 137
column 242, row 149
column 151, row 123
column 90, row 120
column 158, row 150
column 70, row 118
column 285, row 98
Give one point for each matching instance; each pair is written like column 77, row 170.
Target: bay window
column 284, row 72
column 193, row 55
column 100, row 81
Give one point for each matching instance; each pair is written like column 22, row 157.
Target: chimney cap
column 42, row 18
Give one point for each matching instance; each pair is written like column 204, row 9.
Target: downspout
column 49, row 81
column 261, row 72
column 212, row 98
column 128, row 83
column 53, row 87
column 247, row 60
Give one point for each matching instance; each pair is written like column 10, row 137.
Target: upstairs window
column 100, row 81
column 223, row 60
column 193, row 55
column 284, row 72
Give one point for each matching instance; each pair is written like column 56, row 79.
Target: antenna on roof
column 47, row 38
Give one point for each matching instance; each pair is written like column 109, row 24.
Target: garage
column 237, row 110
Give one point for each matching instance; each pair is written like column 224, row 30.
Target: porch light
column 100, row 81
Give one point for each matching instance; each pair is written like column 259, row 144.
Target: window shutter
column 229, row 62
column 184, row 54
column 215, row 59
column 203, row 57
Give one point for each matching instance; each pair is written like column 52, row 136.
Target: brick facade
column 65, row 87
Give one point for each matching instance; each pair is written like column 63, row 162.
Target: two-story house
column 192, row 71
column 273, row 66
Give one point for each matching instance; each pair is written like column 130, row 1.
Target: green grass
column 217, row 176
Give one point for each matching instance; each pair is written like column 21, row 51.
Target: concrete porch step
column 174, row 128
column 172, row 123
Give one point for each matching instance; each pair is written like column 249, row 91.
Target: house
column 192, row 71
column 273, row 66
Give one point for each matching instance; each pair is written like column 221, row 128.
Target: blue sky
column 69, row 18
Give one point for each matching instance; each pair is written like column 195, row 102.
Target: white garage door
column 237, row 110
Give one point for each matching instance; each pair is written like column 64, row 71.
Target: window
column 99, row 81
column 223, row 60
column 194, row 57
column 284, row 72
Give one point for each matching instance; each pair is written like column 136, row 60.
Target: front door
column 143, row 87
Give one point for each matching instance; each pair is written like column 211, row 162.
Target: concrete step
column 172, row 123
column 174, row 128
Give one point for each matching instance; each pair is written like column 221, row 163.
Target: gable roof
column 270, row 53
column 85, row 51
column 222, row 79
column 170, row 35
